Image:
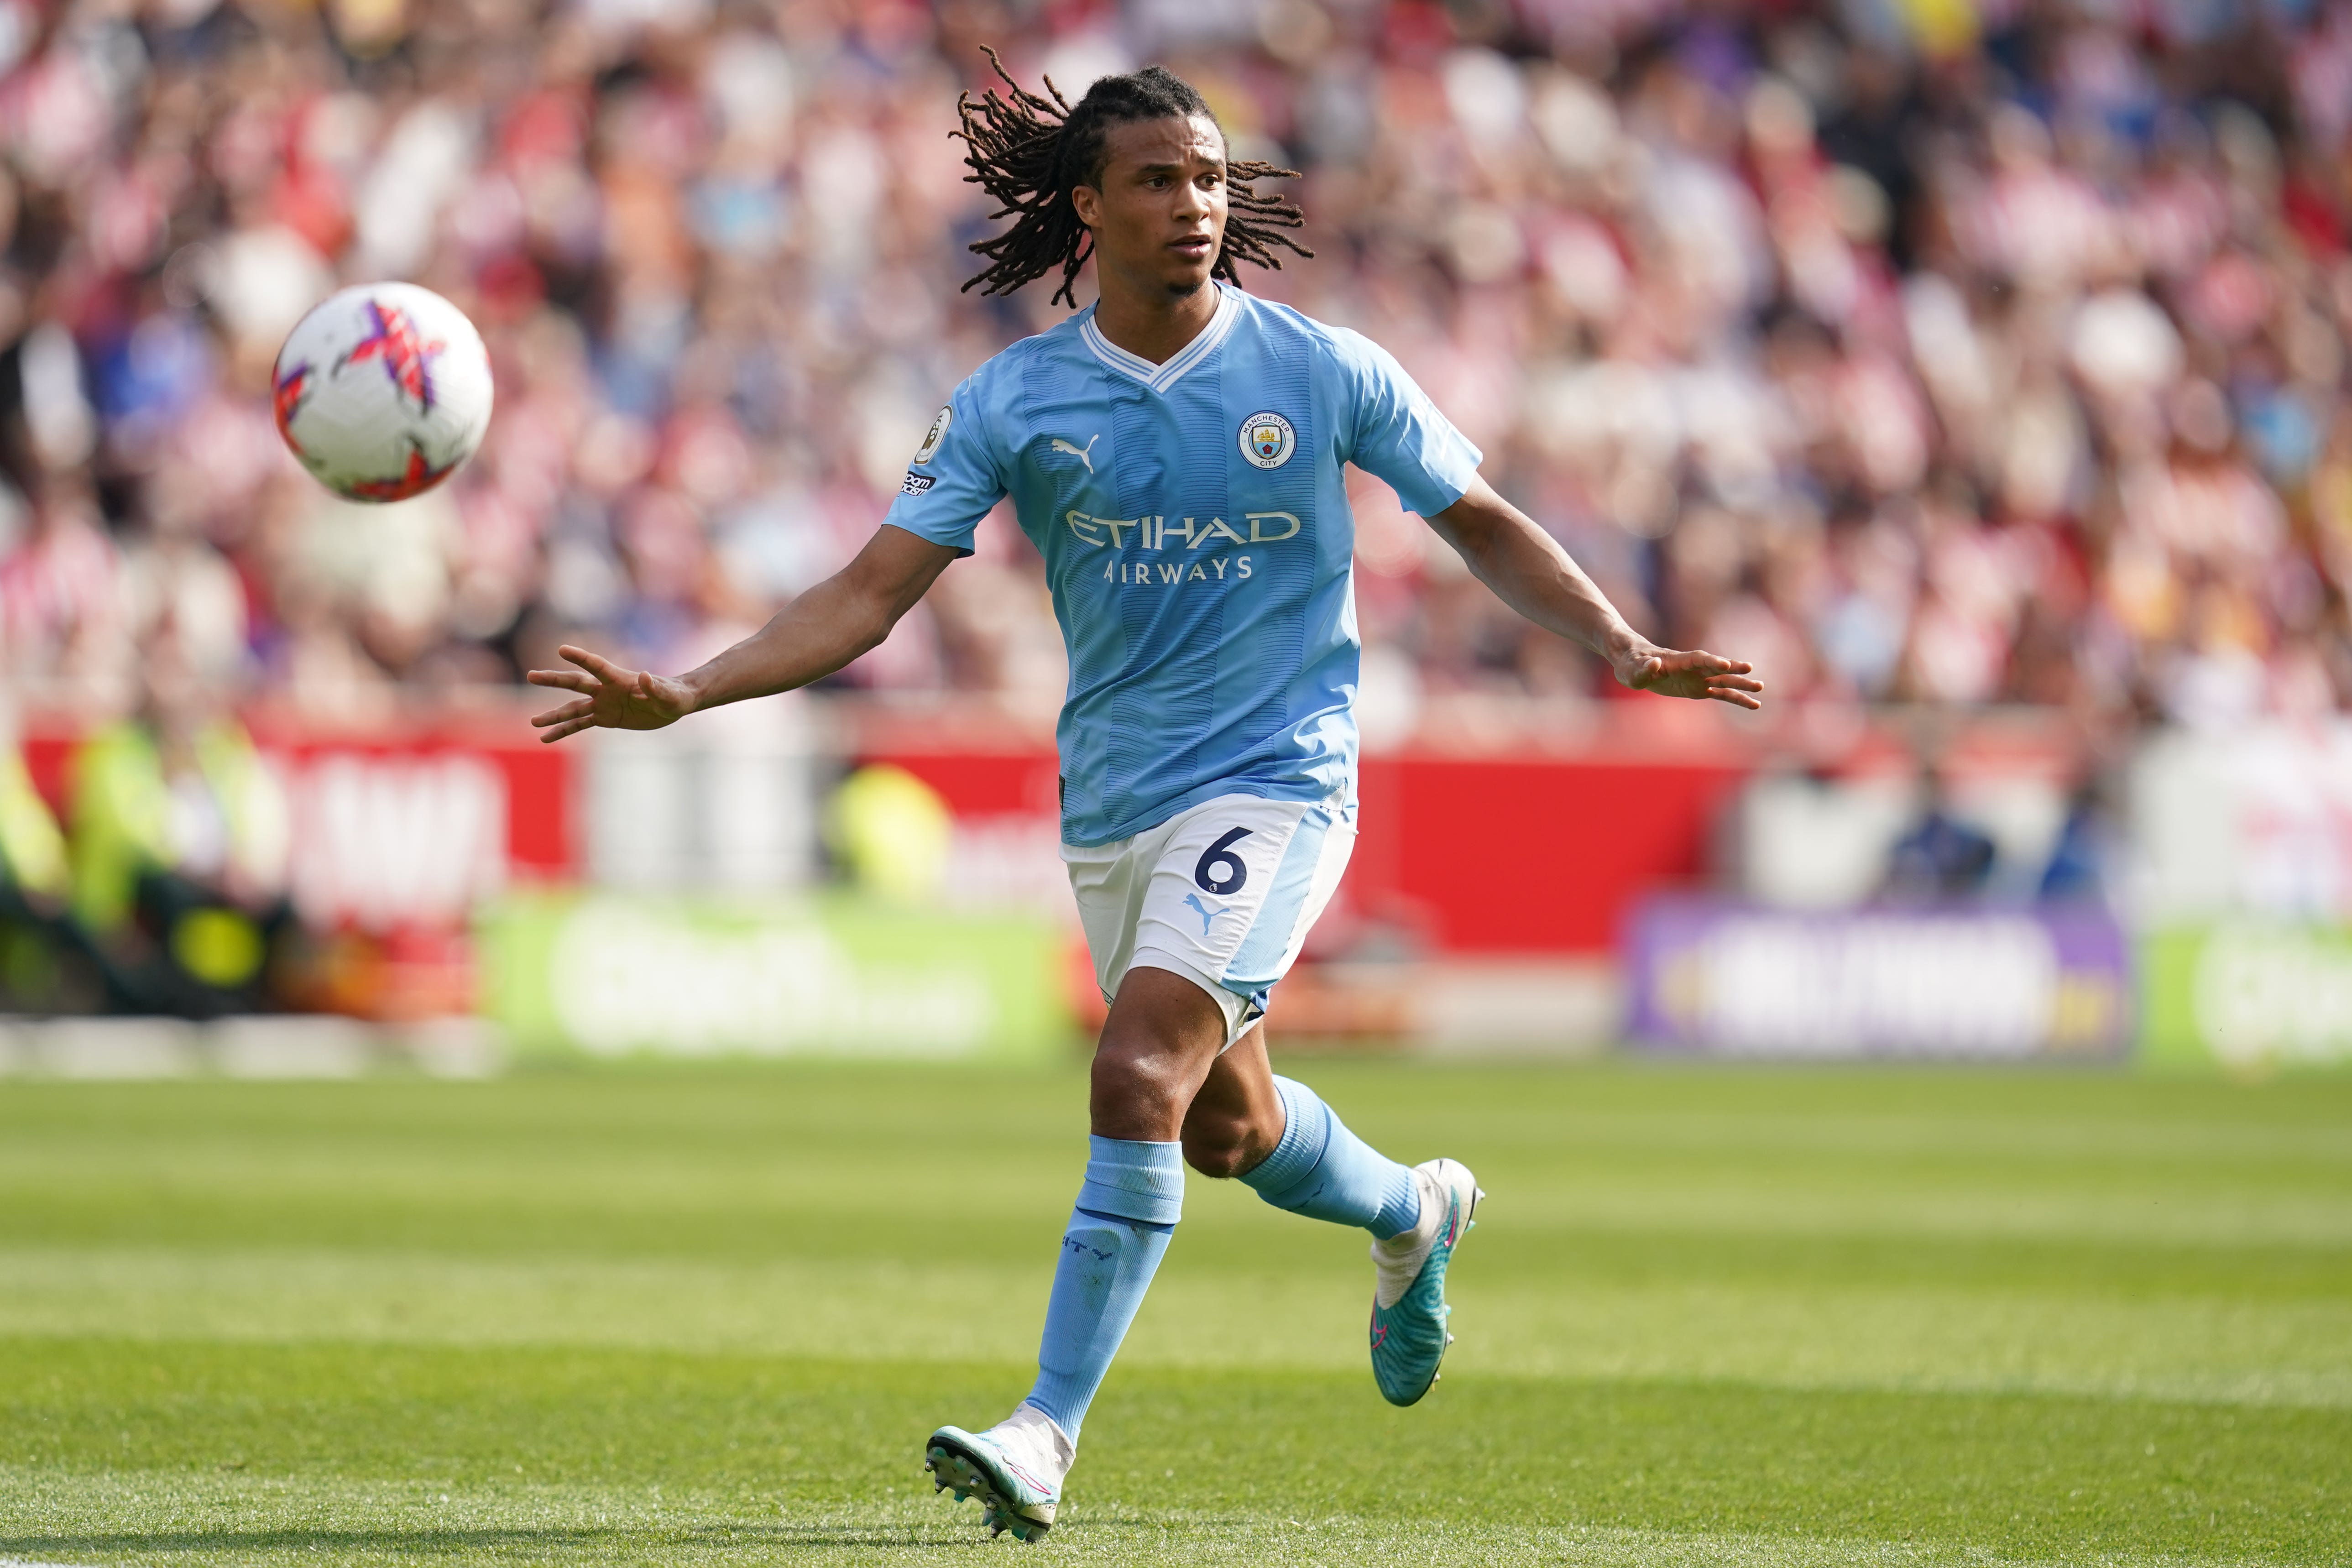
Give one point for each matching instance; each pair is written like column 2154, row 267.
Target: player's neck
column 1155, row 325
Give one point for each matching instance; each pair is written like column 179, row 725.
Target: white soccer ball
column 383, row 391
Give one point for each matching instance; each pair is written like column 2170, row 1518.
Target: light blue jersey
column 1193, row 518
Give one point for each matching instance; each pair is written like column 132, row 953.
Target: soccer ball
column 383, row 391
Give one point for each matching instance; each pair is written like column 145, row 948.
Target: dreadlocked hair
column 1029, row 152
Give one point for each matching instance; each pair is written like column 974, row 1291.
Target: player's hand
column 611, row 698
column 1700, row 676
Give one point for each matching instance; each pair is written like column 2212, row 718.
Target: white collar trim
column 1160, row 377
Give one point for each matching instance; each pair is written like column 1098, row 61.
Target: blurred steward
column 891, row 832
column 45, row 965
column 2082, row 863
column 1942, row 856
column 179, row 849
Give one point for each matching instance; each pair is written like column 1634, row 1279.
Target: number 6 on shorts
column 1221, row 853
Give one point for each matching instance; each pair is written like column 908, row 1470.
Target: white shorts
column 1222, row 894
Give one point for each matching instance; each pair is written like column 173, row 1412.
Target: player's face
column 1159, row 216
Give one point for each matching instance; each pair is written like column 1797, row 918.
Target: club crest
column 1268, row 439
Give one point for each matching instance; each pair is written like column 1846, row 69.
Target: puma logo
column 1206, row 913
column 1080, row 453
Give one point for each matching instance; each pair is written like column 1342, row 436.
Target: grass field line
column 2201, row 1348
column 177, row 1516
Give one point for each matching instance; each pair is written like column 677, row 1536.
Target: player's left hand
column 1699, row 676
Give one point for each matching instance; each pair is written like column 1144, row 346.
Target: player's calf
column 1321, row 1170
column 1127, row 1208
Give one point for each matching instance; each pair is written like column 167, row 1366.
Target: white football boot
column 1016, row 1469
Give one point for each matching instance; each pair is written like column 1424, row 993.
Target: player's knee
column 1227, row 1141
column 1130, row 1077
column 1220, row 1149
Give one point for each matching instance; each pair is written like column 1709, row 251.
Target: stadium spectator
column 1957, row 355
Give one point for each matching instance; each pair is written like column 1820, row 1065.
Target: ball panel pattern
column 383, row 391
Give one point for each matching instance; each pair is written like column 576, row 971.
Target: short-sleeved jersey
column 1194, row 522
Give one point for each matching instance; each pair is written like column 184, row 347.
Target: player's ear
column 1088, row 203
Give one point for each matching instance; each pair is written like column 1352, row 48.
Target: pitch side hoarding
column 407, row 824
column 2249, row 994
column 1716, row 978
column 617, row 974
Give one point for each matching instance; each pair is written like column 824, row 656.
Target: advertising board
column 1716, row 978
column 403, row 827
column 2248, row 994
column 2254, row 822
column 613, row 974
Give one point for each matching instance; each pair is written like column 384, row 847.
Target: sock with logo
column 1325, row 1172
column 1126, row 1209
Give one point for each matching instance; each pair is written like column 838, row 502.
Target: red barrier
column 1529, row 855
column 1486, row 855
column 985, row 784
column 403, row 825
column 535, row 786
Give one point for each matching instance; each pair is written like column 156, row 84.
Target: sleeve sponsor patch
column 915, row 484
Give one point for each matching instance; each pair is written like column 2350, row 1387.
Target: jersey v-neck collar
column 1160, row 377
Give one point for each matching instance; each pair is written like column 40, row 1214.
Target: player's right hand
column 611, row 698
column 1701, row 676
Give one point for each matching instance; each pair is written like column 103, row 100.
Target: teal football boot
column 1409, row 1310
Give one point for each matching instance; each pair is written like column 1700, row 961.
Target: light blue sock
column 1325, row 1172
column 1126, row 1209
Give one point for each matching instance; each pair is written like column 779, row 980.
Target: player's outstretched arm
column 847, row 615
column 1529, row 570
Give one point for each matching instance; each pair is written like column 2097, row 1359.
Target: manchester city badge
column 1268, row 439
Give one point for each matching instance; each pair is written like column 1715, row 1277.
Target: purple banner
column 1715, row 977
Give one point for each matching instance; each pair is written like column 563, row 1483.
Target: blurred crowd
column 1914, row 349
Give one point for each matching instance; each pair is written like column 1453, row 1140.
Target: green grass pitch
column 1711, row 1317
